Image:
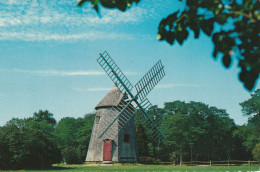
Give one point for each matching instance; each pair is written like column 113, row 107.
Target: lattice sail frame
column 125, row 111
column 149, row 80
column 113, row 115
column 114, row 72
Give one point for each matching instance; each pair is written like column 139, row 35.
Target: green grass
column 151, row 168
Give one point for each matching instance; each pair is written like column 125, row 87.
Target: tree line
column 196, row 132
column 38, row 142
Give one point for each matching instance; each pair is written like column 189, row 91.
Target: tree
column 142, row 141
column 198, row 132
column 73, row 137
column 251, row 132
column 40, row 139
column 239, row 149
column 44, row 116
column 179, row 138
column 256, row 152
column 27, row 144
column 251, row 107
column 177, row 147
column 240, row 41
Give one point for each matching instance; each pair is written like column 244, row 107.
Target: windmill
column 114, row 120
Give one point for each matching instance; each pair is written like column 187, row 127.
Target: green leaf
column 207, row 26
column 215, row 53
column 121, row 5
column 226, row 60
column 247, row 79
column 94, row 4
column 222, row 18
column 216, row 38
column 96, row 8
column 192, row 3
column 181, row 36
column 172, row 18
column 161, row 29
column 108, row 3
column 185, row 34
column 179, row 28
column 195, row 27
column 247, row 3
column 170, row 37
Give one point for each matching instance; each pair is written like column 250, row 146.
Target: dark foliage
column 198, row 132
column 250, row 133
column 142, row 141
column 73, row 137
column 28, row 144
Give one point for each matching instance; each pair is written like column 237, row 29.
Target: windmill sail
column 151, row 124
column 114, row 72
column 157, row 133
column 149, row 80
column 118, row 117
column 125, row 111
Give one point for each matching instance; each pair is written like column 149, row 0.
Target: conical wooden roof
column 112, row 99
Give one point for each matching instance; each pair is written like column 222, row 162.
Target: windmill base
column 120, row 145
column 125, row 152
column 123, row 148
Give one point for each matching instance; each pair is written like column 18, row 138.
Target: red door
column 107, row 150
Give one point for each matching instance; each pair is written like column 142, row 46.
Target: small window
column 126, row 138
column 97, row 119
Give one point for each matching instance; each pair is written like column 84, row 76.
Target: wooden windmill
column 113, row 135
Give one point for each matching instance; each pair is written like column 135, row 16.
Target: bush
column 149, row 160
column 72, row 155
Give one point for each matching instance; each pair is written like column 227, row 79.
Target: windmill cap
column 112, row 99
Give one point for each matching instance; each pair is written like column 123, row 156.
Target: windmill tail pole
column 122, row 111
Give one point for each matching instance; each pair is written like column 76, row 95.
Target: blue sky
column 49, row 49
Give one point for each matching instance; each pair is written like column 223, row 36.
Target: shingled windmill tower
column 113, row 135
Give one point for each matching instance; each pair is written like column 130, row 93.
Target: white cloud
column 91, row 89
column 158, row 87
column 61, row 20
column 39, row 36
column 8, row 2
column 178, row 85
column 52, row 72
column 59, row 73
column 99, row 89
column 131, row 73
column 114, row 17
column 21, row 14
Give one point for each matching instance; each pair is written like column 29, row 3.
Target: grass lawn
column 151, row 168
